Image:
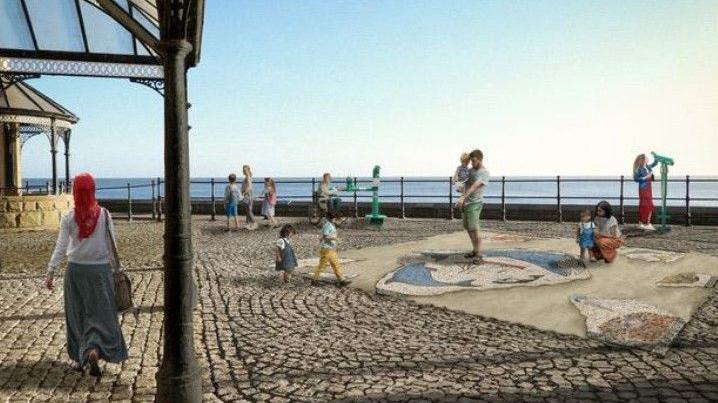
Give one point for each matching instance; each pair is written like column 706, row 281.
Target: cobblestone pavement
column 258, row 339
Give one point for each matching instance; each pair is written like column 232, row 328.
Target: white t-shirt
column 604, row 225
column 282, row 243
column 94, row 249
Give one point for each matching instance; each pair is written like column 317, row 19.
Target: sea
column 703, row 191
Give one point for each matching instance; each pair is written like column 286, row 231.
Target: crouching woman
column 608, row 236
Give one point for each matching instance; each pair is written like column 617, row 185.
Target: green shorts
column 471, row 213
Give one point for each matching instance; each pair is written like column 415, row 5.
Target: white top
column 605, row 224
column 94, row 249
column 282, row 243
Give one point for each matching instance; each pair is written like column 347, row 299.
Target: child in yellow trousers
column 328, row 251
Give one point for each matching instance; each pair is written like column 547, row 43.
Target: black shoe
column 343, row 282
column 94, row 366
column 77, row 367
column 470, row 255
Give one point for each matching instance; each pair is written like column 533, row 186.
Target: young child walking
column 269, row 200
column 286, row 260
column 328, row 250
column 231, row 199
column 584, row 236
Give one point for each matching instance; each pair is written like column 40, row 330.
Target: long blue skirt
column 91, row 315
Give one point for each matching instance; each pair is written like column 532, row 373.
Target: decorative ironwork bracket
column 8, row 79
column 157, row 84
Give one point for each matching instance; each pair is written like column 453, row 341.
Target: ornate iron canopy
column 33, row 111
column 103, row 38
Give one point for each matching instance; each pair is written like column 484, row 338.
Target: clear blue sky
column 295, row 88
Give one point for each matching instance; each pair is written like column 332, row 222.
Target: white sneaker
column 649, row 227
column 641, row 226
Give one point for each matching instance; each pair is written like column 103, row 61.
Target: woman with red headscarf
column 93, row 331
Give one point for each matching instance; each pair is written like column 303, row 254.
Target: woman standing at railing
column 643, row 175
column 248, row 195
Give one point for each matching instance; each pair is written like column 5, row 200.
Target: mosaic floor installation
column 508, row 238
column 651, row 255
column 689, row 279
column 435, row 272
column 627, row 322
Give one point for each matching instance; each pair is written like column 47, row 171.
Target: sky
column 297, row 88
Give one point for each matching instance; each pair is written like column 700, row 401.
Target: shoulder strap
column 115, row 257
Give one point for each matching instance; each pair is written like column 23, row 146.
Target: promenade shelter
column 25, row 113
column 154, row 43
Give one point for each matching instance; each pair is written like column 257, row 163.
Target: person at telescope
column 643, row 175
column 327, row 193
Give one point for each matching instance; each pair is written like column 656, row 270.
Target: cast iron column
column 53, row 150
column 178, row 379
column 66, row 139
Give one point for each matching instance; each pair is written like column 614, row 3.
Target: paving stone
column 259, row 339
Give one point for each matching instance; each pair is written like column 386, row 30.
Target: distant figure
column 248, row 195
column 461, row 175
column 286, row 260
column 642, row 173
column 93, row 331
column 269, row 200
column 327, row 193
column 607, row 237
column 231, row 199
column 471, row 202
column 584, row 236
column 328, row 251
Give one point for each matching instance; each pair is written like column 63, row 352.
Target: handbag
column 123, row 285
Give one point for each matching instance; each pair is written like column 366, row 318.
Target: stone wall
column 33, row 211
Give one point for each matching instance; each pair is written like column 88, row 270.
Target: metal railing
column 450, row 196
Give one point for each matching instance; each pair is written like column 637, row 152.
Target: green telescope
column 662, row 159
column 665, row 162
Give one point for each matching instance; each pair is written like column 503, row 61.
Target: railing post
column 154, row 206
column 451, row 198
column 213, row 212
column 27, row 187
column 559, row 212
column 503, row 198
column 159, row 200
column 356, row 204
column 129, row 202
column 47, row 187
column 401, row 196
column 688, row 200
column 622, row 211
column 314, row 198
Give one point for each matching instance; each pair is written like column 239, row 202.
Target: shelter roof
column 87, row 37
column 21, row 103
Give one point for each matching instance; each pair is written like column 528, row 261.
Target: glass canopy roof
column 78, row 37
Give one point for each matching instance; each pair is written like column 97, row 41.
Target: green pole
column 375, row 218
column 665, row 162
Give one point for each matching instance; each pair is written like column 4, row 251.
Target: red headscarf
column 87, row 211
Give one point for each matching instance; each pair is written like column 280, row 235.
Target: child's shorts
column 231, row 209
